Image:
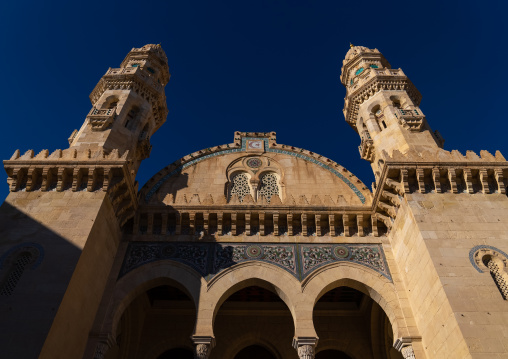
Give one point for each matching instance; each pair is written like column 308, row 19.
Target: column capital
column 203, row 345
column 305, row 346
column 405, row 346
column 103, row 343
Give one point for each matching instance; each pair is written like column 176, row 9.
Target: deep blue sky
column 253, row 66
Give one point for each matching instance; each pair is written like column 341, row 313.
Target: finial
column 351, row 45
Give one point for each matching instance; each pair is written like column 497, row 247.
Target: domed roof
column 355, row 50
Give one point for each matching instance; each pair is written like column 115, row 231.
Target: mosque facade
column 254, row 249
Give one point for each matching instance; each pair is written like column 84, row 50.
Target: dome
column 355, row 50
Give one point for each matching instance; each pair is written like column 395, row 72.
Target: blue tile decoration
column 177, row 170
column 300, row 260
column 19, row 248
column 476, row 249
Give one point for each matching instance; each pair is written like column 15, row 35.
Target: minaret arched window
column 15, row 262
column 240, row 186
column 379, row 116
column 269, row 186
column 131, row 116
column 143, row 135
column 496, row 268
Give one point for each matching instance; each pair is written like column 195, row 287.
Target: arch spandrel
column 207, row 174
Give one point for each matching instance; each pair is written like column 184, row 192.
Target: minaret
column 382, row 105
column 128, row 106
column 70, row 206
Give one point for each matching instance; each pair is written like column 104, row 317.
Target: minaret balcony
column 366, row 148
column 100, row 119
column 140, row 72
column 410, row 119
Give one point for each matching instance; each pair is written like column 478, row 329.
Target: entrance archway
column 178, row 353
column 350, row 324
column 160, row 318
column 253, row 322
column 254, row 352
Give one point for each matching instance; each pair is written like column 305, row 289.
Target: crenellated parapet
column 437, row 172
column 76, row 171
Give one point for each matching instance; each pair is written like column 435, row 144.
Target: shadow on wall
column 36, row 265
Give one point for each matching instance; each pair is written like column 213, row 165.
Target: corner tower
column 60, row 226
column 446, row 215
column 382, row 106
column 128, row 106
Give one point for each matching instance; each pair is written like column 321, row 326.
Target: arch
column 180, row 352
column 131, row 117
column 239, row 185
column 242, row 275
column 110, row 102
column 144, row 133
column 363, row 279
column 164, row 347
column 258, row 347
column 330, row 344
column 269, row 185
column 165, row 272
column 246, row 341
column 153, row 185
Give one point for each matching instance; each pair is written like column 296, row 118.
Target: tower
column 446, row 214
column 61, row 223
column 382, row 105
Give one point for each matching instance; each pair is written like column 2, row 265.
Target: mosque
column 254, row 249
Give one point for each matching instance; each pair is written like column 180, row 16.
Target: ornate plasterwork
column 240, row 186
column 298, row 259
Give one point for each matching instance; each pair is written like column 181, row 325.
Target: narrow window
column 15, row 273
column 131, row 116
column 384, row 124
column 497, row 273
column 240, row 186
column 269, row 186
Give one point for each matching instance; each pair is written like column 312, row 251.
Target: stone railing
column 228, row 220
column 412, row 120
column 100, row 119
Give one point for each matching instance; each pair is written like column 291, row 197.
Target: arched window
column 496, row 268
column 379, row 116
column 269, row 186
column 240, row 186
column 131, row 116
column 14, row 262
column 110, row 102
column 143, row 135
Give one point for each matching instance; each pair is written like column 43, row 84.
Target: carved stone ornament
column 202, row 351
column 306, row 352
column 100, row 350
column 407, row 352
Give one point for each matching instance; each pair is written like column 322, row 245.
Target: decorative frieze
column 210, row 258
